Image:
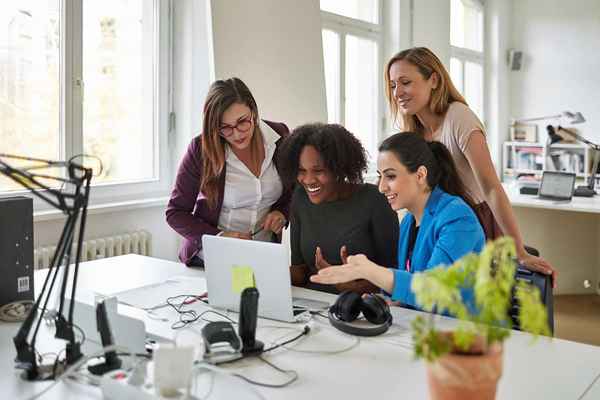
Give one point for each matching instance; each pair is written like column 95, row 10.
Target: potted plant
column 466, row 362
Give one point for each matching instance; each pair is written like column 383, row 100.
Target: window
column 83, row 77
column 467, row 51
column 352, row 38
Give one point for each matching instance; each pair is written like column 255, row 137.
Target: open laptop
column 269, row 264
column 557, row 186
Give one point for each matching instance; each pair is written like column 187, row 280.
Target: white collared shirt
column 248, row 199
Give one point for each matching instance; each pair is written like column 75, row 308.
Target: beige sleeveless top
column 455, row 132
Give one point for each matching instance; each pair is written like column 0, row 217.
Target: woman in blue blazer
column 439, row 228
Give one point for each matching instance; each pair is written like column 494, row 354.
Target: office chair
column 544, row 284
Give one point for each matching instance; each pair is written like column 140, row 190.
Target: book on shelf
column 528, row 158
column 563, row 160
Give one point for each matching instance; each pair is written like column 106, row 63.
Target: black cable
column 305, row 331
column 82, row 155
column 82, row 333
column 320, row 314
column 187, row 317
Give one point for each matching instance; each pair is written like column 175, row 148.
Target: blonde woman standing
column 423, row 99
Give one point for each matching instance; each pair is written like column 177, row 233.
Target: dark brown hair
column 413, row 151
column 341, row 151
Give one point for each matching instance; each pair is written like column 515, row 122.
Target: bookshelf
column 534, row 158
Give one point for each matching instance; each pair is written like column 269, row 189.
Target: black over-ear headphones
column 347, row 307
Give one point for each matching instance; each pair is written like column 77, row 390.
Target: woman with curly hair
column 334, row 213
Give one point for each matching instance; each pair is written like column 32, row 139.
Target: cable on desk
column 305, row 331
column 187, row 317
column 16, row 311
column 73, row 368
column 588, row 388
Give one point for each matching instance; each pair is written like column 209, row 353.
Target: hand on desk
column 538, row 264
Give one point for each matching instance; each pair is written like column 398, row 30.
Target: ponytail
column 413, row 151
column 448, row 178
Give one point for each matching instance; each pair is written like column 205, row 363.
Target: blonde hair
column 427, row 63
column 221, row 95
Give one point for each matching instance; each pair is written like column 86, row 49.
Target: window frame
column 72, row 90
column 344, row 26
column 465, row 55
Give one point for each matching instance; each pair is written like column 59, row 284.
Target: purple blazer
column 188, row 212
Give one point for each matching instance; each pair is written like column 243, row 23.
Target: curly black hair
column 342, row 153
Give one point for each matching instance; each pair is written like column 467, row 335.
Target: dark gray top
column 364, row 223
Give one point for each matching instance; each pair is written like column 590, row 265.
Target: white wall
column 431, row 27
column 193, row 69
column 497, row 84
column 561, row 42
column 275, row 47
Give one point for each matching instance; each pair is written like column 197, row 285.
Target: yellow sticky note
column 241, row 278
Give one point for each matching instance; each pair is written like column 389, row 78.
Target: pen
column 256, row 231
column 194, row 299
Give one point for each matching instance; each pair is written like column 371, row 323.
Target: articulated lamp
column 567, row 116
column 72, row 199
column 586, row 191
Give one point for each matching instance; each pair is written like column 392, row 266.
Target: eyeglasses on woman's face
column 242, row 125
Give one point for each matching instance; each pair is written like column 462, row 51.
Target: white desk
column 567, row 234
column 577, row 204
column 381, row 367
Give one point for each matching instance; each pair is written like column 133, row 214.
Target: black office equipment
column 541, row 281
column 16, row 249
column 68, row 192
column 349, row 305
column 221, row 342
column 247, row 321
column 111, row 360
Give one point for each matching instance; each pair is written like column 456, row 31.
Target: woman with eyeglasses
column 228, row 182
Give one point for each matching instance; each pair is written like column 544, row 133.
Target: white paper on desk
column 155, row 295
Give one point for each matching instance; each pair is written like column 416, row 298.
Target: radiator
column 139, row 242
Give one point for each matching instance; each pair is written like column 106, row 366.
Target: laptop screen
column 557, row 185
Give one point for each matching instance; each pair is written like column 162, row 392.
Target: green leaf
column 490, row 275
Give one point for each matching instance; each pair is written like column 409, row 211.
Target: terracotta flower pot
column 470, row 376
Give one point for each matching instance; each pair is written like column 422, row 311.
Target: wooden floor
column 577, row 318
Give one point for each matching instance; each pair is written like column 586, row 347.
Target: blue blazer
column 449, row 229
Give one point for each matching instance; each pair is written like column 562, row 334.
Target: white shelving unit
column 534, row 158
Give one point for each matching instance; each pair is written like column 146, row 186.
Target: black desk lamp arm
column 74, row 205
